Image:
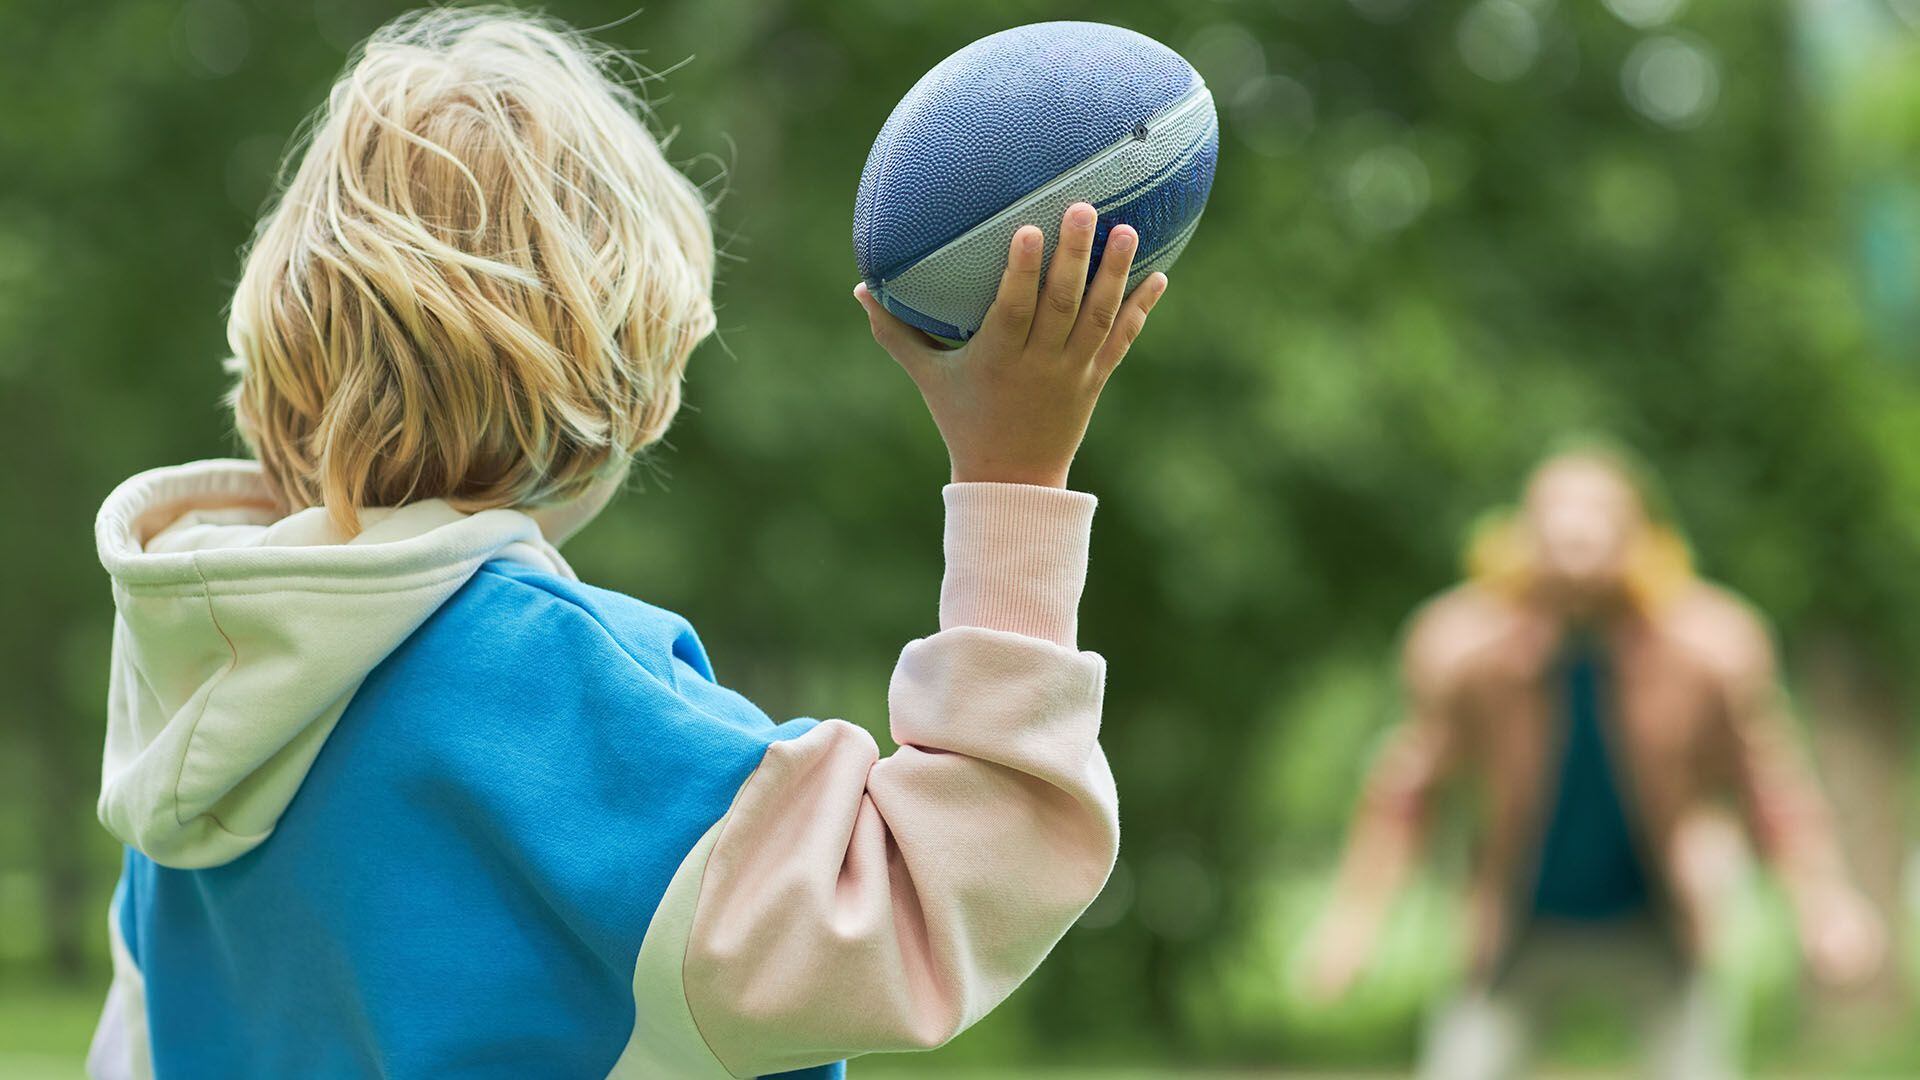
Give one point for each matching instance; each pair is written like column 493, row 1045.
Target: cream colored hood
column 240, row 637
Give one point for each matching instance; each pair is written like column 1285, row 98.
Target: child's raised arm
column 846, row 903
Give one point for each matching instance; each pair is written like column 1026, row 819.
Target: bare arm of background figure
column 1841, row 935
column 1389, row 832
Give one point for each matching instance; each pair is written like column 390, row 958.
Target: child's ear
column 560, row 521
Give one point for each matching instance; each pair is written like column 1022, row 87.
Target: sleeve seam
column 723, row 826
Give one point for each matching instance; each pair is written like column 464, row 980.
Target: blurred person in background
column 1605, row 705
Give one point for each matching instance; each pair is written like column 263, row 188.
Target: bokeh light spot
column 1228, row 57
column 1671, row 80
column 1645, row 14
column 1499, row 39
column 1635, row 204
column 1387, row 187
column 1273, row 114
column 213, row 35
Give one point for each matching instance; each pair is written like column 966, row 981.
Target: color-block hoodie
column 420, row 803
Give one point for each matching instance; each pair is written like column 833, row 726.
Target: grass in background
column 44, row 1029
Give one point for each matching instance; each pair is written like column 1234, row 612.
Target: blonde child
column 403, row 797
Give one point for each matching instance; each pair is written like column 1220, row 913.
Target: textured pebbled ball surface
column 1011, row 130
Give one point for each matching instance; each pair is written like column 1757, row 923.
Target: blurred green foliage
column 1444, row 233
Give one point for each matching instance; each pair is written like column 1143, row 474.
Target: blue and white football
column 1011, row 131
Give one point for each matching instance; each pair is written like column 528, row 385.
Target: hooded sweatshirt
column 417, row 802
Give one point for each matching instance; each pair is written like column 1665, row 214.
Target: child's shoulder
column 533, row 608
column 517, row 643
column 525, row 685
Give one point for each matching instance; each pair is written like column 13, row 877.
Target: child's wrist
column 995, row 473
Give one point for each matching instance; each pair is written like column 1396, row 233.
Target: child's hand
column 1013, row 403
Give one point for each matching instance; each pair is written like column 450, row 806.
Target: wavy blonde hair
column 1499, row 557
column 480, row 284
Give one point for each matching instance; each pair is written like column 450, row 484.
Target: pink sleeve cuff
column 1016, row 559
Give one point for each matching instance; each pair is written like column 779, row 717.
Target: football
column 1012, row 130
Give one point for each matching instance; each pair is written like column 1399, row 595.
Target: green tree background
column 1444, row 235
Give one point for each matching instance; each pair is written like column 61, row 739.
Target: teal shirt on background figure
column 1591, row 868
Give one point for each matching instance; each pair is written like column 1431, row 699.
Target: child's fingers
column 1066, row 278
column 1104, row 296
column 1126, row 327
column 1011, row 316
column 904, row 343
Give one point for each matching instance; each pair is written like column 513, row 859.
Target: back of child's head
column 481, row 282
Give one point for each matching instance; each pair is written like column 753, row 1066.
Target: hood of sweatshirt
column 240, row 636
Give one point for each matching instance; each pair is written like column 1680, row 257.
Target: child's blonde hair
column 481, row 283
